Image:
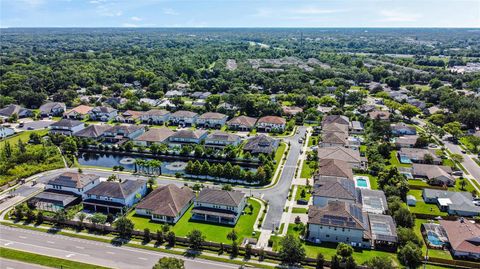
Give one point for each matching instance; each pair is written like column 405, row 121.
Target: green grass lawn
column 299, row 210
column 448, row 162
column 307, row 170
column 298, row 195
column 395, row 162
column 417, row 182
column 437, row 253
column 465, row 141
column 424, row 208
column 52, row 262
column 213, row 232
column 469, row 187
column 280, row 152
column 24, row 136
column 312, row 140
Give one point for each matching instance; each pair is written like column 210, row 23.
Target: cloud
column 316, row 11
column 399, row 16
column 135, row 18
column 170, row 11
column 130, row 25
column 306, row 11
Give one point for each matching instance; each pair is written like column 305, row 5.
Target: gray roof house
column 415, row 155
column 261, row 144
column 435, row 174
column 212, row 120
column 221, row 139
column 21, row 112
column 334, row 189
column 340, row 119
column 93, row 131
column 242, row 123
column 154, row 135
column 102, row 113
column 122, row 133
column 383, row 231
column 331, row 168
column 403, row 129
column 344, row 154
column 373, row 201
column 455, row 203
column 188, row 136
column 183, row 117
column 332, row 139
column 406, row 141
column 52, row 109
column 219, row 206
column 66, row 127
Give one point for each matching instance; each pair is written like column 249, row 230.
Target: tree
column 69, row 145
column 169, row 263
column 40, row 217
column 227, row 187
column 171, row 238
column 196, row 239
column 147, row 235
column 160, row 237
column 344, row 250
column 409, row 110
column 404, row 218
column 379, row 263
column 320, row 260
column 124, row 227
column 291, row 250
column 248, row 251
column 410, row 255
column 350, row 263
column 335, row 263
column 456, row 157
column 232, row 235
column 81, row 217
column 428, row 158
column 235, row 249
column 453, row 128
column 463, row 184
column 98, row 218
column 406, row 235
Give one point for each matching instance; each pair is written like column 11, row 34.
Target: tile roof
column 155, row 135
column 47, row 107
column 81, row 109
column 340, row 119
column 339, row 214
column 292, row 110
column 379, row 114
column 155, row 112
column 93, row 131
column 243, row 120
column 12, row 109
column 334, row 138
column 431, row 171
column 168, row 200
column 132, row 114
column 212, row 115
column 335, row 127
column 335, row 168
column 339, row 153
column 115, row 189
column 73, row 180
column 223, row 136
column 339, row 188
column 183, row 114
column 463, row 235
column 191, row 134
column 220, row 197
column 261, row 144
column 272, row 120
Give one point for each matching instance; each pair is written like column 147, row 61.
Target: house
column 149, row 101
column 271, row 124
column 406, row 141
column 79, row 112
column 333, row 189
column 183, row 118
column 261, row 144
column 226, row 107
column 379, row 115
column 74, row 183
column 152, row 136
column 188, row 136
column 219, row 206
column 339, row 222
column 66, row 126
column 439, row 175
column 455, row 203
column 12, row 109
column 52, row 109
column 166, row 103
column 129, row 116
column 291, row 110
column 335, row 127
column 166, row 203
column 212, row 120
column 383, row 231
column 366, row 108
column 221, row 139
column 324, row 109
column 373, row 201
column 155, row 116
column 339, row 119
column 403, row 129
column 102, row 113
column 344, row 154
column 50, row 200
column 464, row 238
column 114, row 196
column 173, row 93
column 356, row 127
column 333, row 169
column 201, row 95
column 94, row 131
column 242, row 123
column 334, row 139
column 414, row 155
column 6, row 131
column 123, row 133
column 199, row 103
column 115, row 101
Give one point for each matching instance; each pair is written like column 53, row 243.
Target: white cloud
column 316, row 11
column 135, row 18
column 170, row 11
column 399, row 16
column 130, row 25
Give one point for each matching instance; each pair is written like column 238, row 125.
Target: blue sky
column 240, row 13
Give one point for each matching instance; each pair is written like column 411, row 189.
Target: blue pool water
column 361, row 182
column 404, row 159
column 434, row 240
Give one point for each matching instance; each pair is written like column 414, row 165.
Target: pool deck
column 366, row 179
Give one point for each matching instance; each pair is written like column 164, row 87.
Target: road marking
column 70, row 255
column 23, row 237
column 141, row 258
column 8, row 243
column 50, row 242
column 79, row 247
column 109, row 252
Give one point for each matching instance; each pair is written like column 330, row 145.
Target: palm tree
column 156, row 165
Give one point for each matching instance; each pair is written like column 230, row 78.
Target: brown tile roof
column 155, row 135
column 132, row 114
column 339, row 119
column 220, row 197
column 73, row 180
column 463, row 235
column 168, row 200
column 243, row 120
column 292, row 110
column 339, row 188
column 156, row 112
column 336, row 168
column 212, row 115
column 272, row 119
column 334, row 138
column 339, row 214
column 184, row 114
column 339, row 153
column 192, row 134
column 81, row 109
column 335, row 127
column 379, row 114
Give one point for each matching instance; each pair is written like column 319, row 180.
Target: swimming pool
column 405, row 159
column 362, row 182
column 434, row 240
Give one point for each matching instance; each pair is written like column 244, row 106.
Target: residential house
column 102, row 113
column 74, row 183
column 379, row 114
column 52, row 109
column 166, row 103
column 188, row 136
column 344, row 154
column 337, row 222
column 79, row 112
column 334, row 139
column 333, row 169
column 333, row 189
column 173, row 93
column 155, row 116
column 94, row 131
column 212, row 120
column 115, row 101
column 366, row 108
column 12, row 109
column 406, row 141
column 166, row 203
column 183, row 118
column 324, row 109
column 415, row 155
column 224, row 107
column 219, row 206
column 383, row 231
column 242, row 123
column 261, row 144
column 66, row 127
column 149, row 101
column 200, row 95
column 221, row 139
column 455, row 203
column 271, row 124
column 291, row 110
column 129, row 116
column 335, row 127
column 50, row 200
column 114, row 196
column 6, row 131
column 153, row 136
column 403, row 129
column 439, row 175
column 339, row 119
column 123, row 133
column 373, row 201
column 464, row 237
column 356, row 127
column 199, row 103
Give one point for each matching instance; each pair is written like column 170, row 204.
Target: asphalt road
column 92, row 252
column 10, row 264
column 468, row 162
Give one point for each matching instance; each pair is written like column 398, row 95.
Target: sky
column 240, row 13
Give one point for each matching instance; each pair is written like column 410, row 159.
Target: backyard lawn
column 423, row 208
column 468, row 187
column 373, row 180
column 312, row 141
column 213, row 232
column 437, row 253
column 395, row 162
column 307, row 170
column 24, row 136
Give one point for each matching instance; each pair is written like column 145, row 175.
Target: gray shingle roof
column 73, row 180
column 93, row 131
column 340, row 188
column 115, row 189
column 220, row 197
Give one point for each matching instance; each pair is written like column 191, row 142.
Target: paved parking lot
column 36, row 125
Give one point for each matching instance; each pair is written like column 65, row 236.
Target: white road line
column 141, row 258
column 8, row 243
column 109, row 252
column 23, row 237
column 50, row 242
column 37, row 246
column 70, row 255
column 79, row 247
